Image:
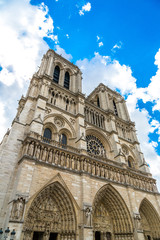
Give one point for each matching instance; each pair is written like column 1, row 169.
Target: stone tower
column 71, row 167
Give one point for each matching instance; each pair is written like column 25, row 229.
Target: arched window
column 64, row 139
column 130, row 162
column 66, row 80
column 47, row 134
column 56, row 74
column 115, row 108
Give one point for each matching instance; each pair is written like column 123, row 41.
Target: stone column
column 61, row 77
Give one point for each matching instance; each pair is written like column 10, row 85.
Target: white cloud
column 116, row 46
column 3, row 122
column 62, row 52
column 85, row 8
column 67, row 35
column 102, row 69
column 100, row 44
column 23, row 28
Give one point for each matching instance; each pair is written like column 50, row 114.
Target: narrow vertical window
column 98, row 102
column 115, row 108
column 67, row 80
column 129, row 163
column 56, row 74
column 64, row 139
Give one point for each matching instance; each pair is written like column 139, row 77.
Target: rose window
column 94, row 146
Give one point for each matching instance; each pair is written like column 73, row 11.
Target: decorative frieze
column 70, row 158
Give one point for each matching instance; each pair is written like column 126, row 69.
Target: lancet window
column 56, row 74
column 67, row 80
column 98, row 102
column 130, row 162
column 115, row 108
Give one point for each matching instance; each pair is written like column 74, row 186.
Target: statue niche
column 17, row 209
column 88, row 216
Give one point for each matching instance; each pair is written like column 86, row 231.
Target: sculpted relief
column 101, row 219
column 46, row 216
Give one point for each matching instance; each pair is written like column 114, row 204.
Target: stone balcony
column 56, row 155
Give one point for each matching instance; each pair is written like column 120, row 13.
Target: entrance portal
column 97, row 235
column 38, row 236
column 53, row 236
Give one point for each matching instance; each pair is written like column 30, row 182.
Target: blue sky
column 114, row 42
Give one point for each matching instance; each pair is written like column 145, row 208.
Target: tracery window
column 94, row 146
column 56, row 74
column 67, row 80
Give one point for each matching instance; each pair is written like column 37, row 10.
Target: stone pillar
column 49, row 64
column 79, row 82
column 61, row 77
column 73, row 83
column 138, row 227
column 43, row 66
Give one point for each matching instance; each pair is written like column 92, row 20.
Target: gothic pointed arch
column 111, row 214
column 56, row 74
column 150, row 220
column 99, row 142
column 51, row 211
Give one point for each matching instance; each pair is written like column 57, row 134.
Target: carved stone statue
column 44, row 154
column 50, row 156
column 31, row 149
column 68, row 161
column 17, row 210
column 38, row 151
column 56, row 158
column 46, row 235
column 62, row 159
column 137, row 219
column 88, row 215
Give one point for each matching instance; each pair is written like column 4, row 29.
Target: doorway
column 38, row 236
column 108, row 236
column 148, row 237
column 53, row 236
column 97, row 235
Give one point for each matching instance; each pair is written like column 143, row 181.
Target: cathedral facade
column 71, row 165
